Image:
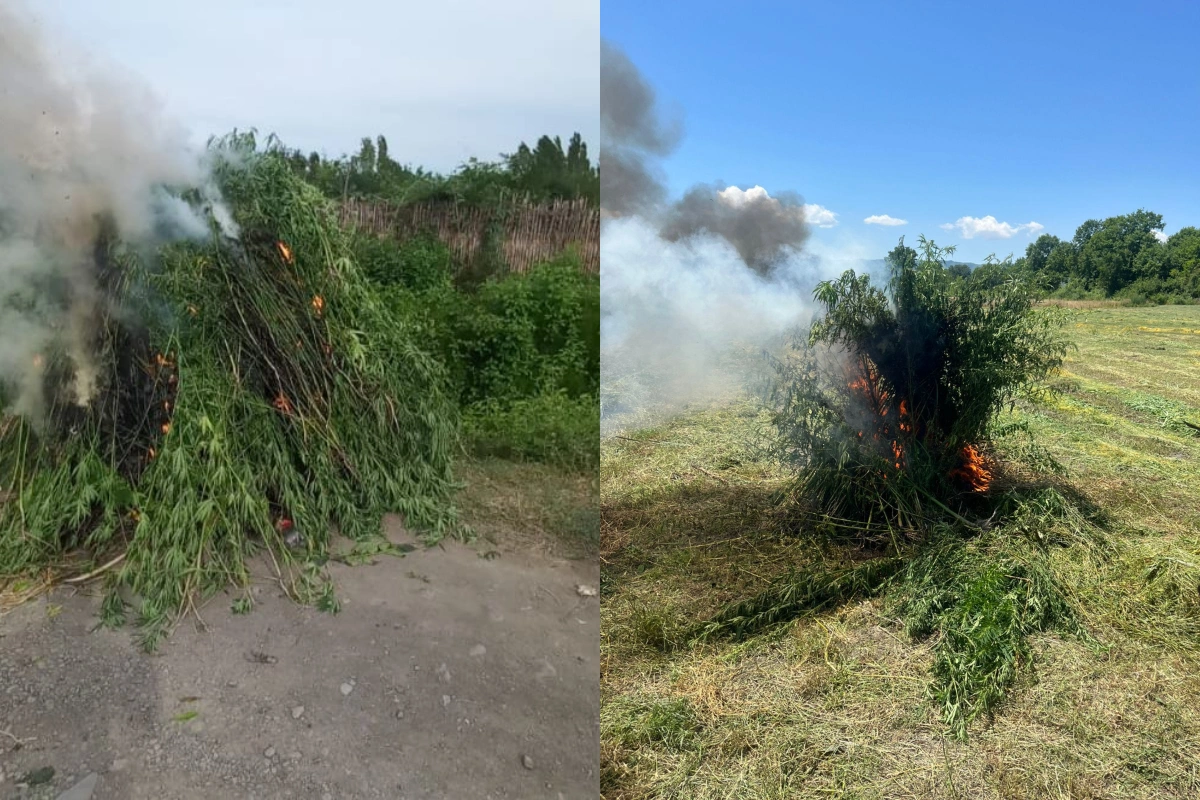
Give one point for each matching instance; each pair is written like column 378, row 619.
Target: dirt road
column 445, row 675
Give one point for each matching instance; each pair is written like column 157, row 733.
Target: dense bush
column 522, row 350
column 552, row 428
column 421, row 265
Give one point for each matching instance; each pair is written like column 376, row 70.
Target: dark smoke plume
column 763, row 229
column 634, row 137
column 687, row 289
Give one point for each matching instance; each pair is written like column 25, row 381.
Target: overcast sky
column 443, row 80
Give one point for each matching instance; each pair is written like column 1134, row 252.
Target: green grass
column 1079, row 639
column 550, row 428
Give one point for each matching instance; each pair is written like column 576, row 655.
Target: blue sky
column 1046, row 113
column 442, row 80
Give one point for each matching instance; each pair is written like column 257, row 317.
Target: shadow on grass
column 722, row 559
column 980, row 590
column 691, row 508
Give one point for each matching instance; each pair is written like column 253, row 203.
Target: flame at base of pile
column 889, row 427
column 974, row 472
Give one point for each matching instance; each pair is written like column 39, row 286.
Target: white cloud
column 884, row 219
column 819, row 215
column 1162, row 237
column 739, row 197
column 990, row 228
column 814, row 214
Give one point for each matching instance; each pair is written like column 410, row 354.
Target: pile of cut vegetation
column 887, row 415
column 250, row 394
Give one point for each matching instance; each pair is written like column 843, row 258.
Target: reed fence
column 523, row 233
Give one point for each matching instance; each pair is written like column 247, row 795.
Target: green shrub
column 551, row 428
column 514, row 337
column 420, row 264
column 522, row 350
column 1075, row 290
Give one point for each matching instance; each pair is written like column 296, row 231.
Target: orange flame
column 285, row 251
column 974, row 471
column 866, row 385
column 283, row 404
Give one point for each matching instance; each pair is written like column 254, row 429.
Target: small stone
column 347, row 688
column 297, row 712
column 38, row 776
column 584, row 590
column 445, row 701
column 478, row 650
column 399, row 715
column 527, row 761
column 269, row 752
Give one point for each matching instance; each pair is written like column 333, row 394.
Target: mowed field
column 835, row 704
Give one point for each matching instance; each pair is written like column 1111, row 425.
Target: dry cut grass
column 836, row 704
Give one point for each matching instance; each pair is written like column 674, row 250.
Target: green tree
column 1123, row 249
column 1183, row 261
column 1037, row 257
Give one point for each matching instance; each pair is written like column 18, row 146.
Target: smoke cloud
column 81, row 150
column 764, row 230
column 634, row 137
column 691, row 291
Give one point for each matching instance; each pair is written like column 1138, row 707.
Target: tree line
column 1125, row 256
column 547, row 171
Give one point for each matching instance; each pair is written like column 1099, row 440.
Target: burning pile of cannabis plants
column 240, row 392
column 888, row 408
column 889, row 417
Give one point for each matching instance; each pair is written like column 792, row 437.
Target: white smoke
column 80, row 146
column 691, row 291
column 684, row 323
